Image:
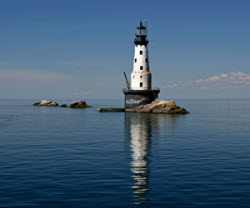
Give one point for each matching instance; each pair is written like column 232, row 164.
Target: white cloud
column 212, row 79
column 224, row 75
column 222, row 81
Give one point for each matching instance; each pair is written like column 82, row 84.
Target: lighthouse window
column 135, row 60
column 140, row 76
column 141, row 67
column 141, row 84
column 146, row 60
column 141, row 52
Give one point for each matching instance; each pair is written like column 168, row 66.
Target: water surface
column 60, row 157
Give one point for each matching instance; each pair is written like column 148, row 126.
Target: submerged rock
column 63, row 106
column 79, row 104
column 46, row 103
column 160, row 106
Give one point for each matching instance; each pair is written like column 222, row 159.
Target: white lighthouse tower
column 140, row 91
column 141, row 77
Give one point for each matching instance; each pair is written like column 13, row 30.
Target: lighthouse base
column 134, row 98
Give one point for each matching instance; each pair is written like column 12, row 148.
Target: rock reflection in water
column 140, row 127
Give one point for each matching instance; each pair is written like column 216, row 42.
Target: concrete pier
column 110, row 109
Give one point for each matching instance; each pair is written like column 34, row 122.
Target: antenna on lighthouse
column 146, row 24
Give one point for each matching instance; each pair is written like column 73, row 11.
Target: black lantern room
column 141, row 35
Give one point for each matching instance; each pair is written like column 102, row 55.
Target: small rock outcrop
column 79, row 104
column 75, row 104
column 160, row 106
column 46, row 103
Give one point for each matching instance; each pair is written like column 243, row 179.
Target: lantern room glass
column 141, row 32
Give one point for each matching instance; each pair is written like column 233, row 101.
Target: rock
column 42, row 102
column 75, row 104
column 46, row 103
column 172, row 103
column 160, row 106
column 53, row 104
column 79, row 104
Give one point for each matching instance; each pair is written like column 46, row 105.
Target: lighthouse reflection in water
column 140, row 132
column 139, row 127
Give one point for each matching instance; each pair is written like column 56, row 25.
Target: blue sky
column 57, row 49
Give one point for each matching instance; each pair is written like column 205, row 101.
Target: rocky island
column 159, row 106
column 46, row 103
column 74, row 104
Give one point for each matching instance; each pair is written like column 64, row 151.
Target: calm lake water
column 59, row 157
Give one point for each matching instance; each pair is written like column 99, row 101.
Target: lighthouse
column 141, row 77
column 139, row 91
